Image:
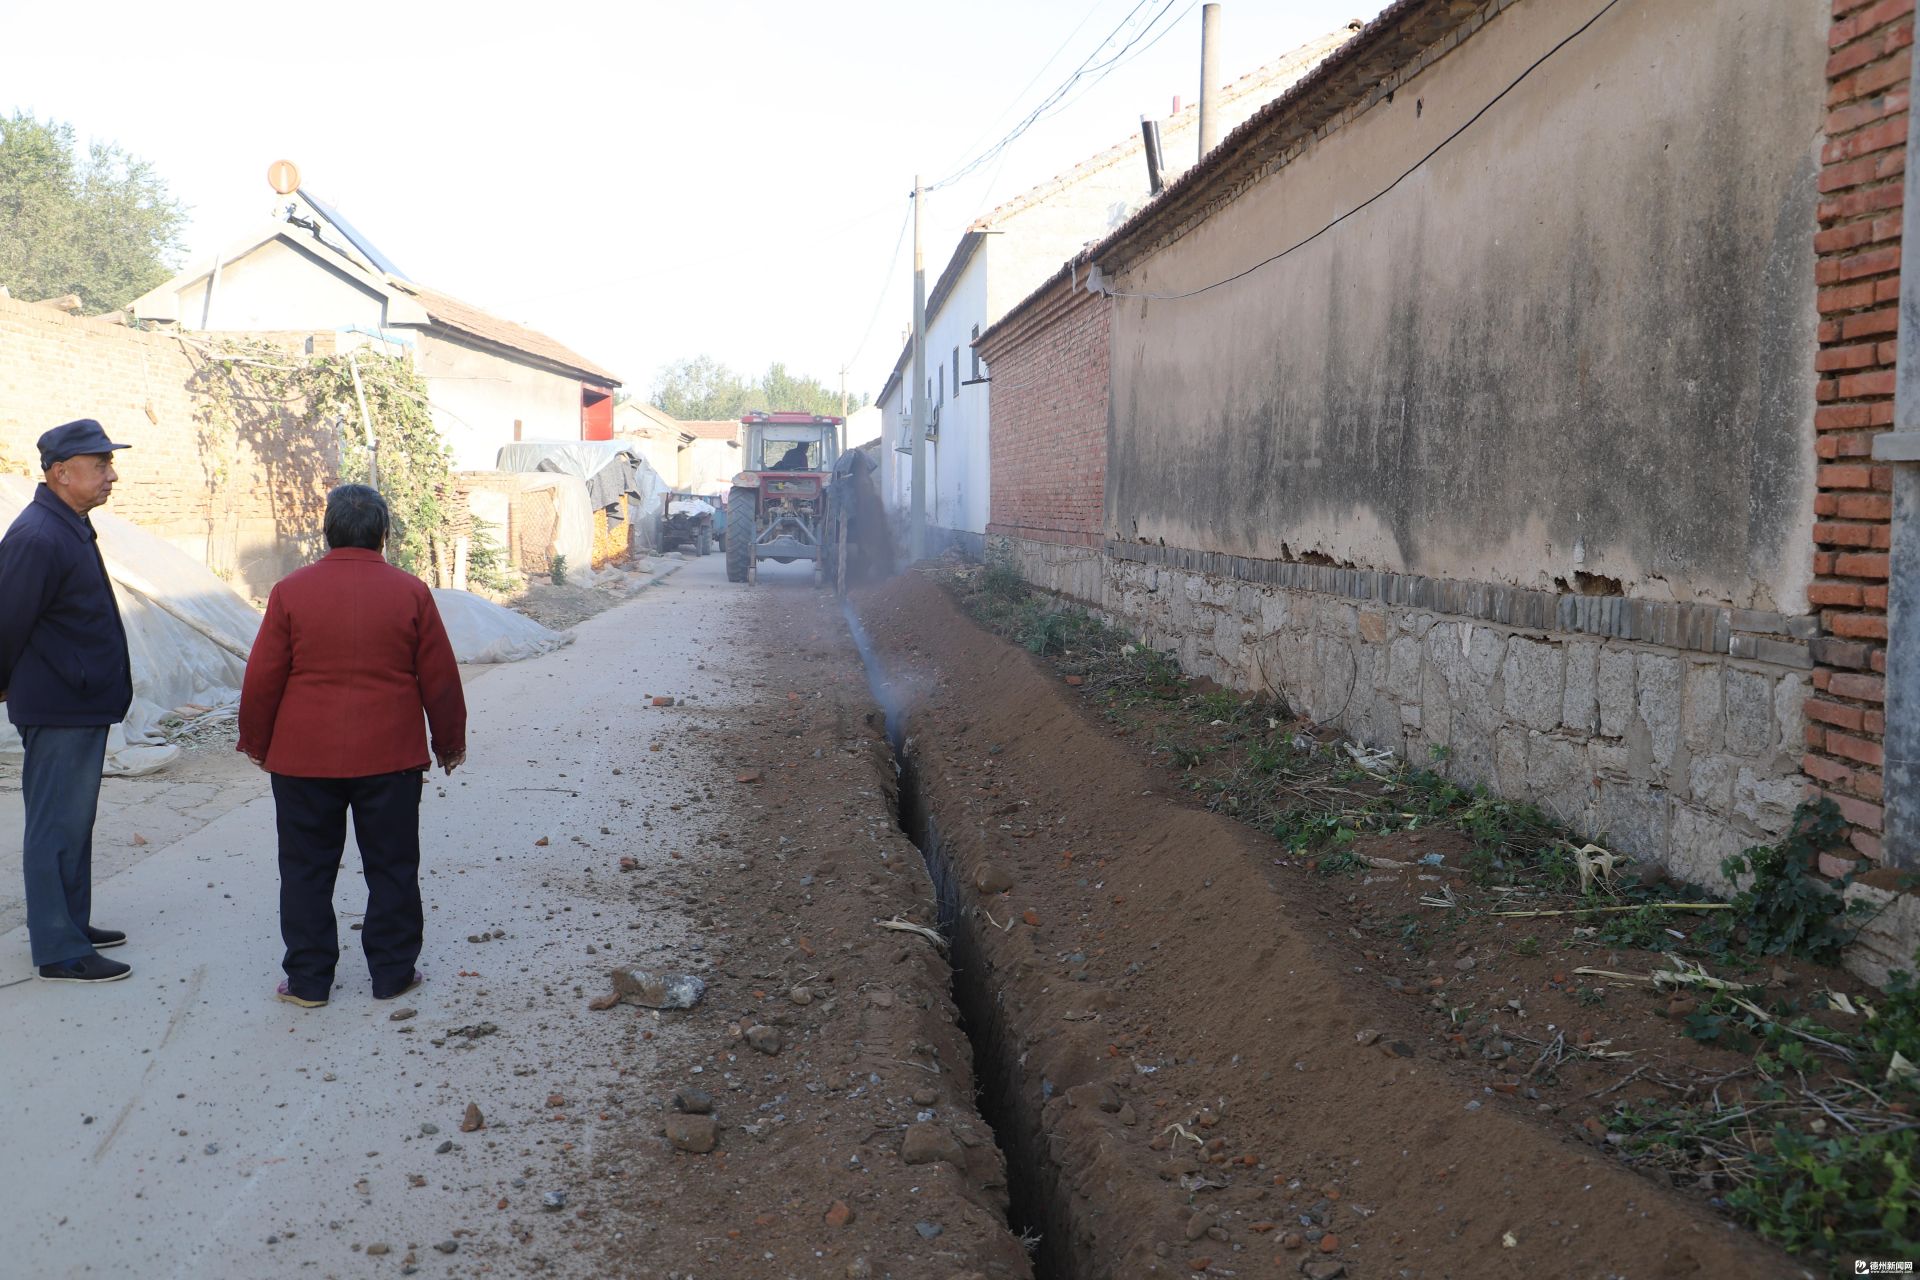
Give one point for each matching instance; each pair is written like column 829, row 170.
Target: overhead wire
column 1535, row 65
column 1028, row 86
column 880, row 302
column 1087, row 67
column 1181, row 17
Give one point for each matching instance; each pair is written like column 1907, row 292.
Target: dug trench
column 1185, row 1073
column 813, row 1114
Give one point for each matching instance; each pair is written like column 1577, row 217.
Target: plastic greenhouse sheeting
column 609, row 467
column 573, row 515
column 482, row 631
column 188, row 634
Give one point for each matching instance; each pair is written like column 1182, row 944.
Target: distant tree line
column 100, row 224
column 701, row 389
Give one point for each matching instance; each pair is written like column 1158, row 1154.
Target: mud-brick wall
column 245, row 503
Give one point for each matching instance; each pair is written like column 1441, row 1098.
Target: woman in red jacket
column 351, row 651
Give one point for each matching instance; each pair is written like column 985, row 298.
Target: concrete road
column 185, row 1124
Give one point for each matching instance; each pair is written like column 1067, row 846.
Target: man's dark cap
column 71, row 439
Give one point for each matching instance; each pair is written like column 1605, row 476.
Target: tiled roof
column 474, row 322
column 1273, row 78
column 724, row 429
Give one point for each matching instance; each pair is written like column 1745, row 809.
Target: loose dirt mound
column 870, row 550
column 853, row 1149
column 1200, row 1077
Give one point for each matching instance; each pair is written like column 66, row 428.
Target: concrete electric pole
column 917, row 510
column 1209, row 77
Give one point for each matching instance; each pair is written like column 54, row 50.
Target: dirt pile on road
column 812, row 1115
column 870, row 550
column 1192, row 1073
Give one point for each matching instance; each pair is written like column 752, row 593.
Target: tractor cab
column 777, row 509
column 790, row 442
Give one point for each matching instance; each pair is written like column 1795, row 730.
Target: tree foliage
column 702, row 389
column 101, row 224
column 249, row 386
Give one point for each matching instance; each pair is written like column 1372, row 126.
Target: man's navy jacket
column 63, row 648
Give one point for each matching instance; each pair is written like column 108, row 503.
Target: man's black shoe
column 104, row 938
column 85, row 969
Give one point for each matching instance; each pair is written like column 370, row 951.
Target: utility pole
column 842, row 433
column 917, row 510
column 1209, row 77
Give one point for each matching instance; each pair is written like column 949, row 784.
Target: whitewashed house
column 1002, row 258
column 489, row 381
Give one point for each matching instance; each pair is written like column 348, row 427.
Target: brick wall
column 1863, row 160
column 1048, row 366
column 247, row 507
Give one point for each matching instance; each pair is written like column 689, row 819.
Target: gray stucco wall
column 1578, row 341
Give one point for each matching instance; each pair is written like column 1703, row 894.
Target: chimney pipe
column 1150, row 136
column 1209, row 77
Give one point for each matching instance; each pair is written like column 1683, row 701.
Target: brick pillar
column 1863, row 161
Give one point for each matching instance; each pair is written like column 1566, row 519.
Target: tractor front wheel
column 741, row 529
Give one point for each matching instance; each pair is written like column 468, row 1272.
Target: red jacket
column 350, row 652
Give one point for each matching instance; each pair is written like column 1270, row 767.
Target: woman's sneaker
column 85, row 969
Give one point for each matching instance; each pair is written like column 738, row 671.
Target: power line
column 1142, row 50
column 879, row 303
column 1086, row 68
column 1470, row 122
column 1026, row 88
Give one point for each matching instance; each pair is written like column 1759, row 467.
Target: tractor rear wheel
column 741, row 528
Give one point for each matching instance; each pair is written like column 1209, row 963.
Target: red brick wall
column 1858, row 273
column 249, row 526
column 1049, row 420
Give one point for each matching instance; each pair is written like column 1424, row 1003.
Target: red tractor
column 778, row 508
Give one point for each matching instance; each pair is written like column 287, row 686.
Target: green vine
column 253, row 389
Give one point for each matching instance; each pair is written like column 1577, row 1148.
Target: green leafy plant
column 1341, row 862
column 1001, row 579
column 487, row 564
column 95, row 222
column 1786, row 906
column 1644, row 929
column 559, row 571
column 1839, row 1193
column 1047, row 633
column 269, row 396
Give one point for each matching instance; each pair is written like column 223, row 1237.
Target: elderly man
column 351, row 655
column 66, row 679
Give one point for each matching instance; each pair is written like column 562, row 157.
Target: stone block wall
column 1063, row 569
column 1675, row 756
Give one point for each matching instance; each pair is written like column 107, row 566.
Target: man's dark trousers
column 61, row 786
column 311, row 815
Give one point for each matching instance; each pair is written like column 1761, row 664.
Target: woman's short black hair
column 356, row 517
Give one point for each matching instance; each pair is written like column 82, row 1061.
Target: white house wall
column 957, row 492
column 895, row 433
column 279, row 288
column 477, row 396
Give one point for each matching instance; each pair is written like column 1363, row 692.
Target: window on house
column 943, row 386
column 976, row 354
column 956, row 371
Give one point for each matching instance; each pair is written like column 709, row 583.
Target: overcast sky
column 643, row 181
